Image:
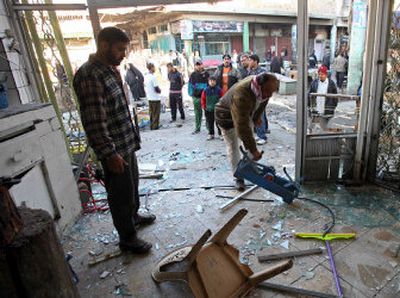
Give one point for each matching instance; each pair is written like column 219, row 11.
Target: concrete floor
column 366, row 265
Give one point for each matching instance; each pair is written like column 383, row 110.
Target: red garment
column 203, row 100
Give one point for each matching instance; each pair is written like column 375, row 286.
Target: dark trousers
column 340, row 79
column 210, row 121
column 154, row 111
column 123, row 196
column 175, row 102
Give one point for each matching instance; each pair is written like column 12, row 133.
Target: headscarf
column 256, row 88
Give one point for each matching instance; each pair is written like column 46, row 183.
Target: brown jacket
column 237, row 109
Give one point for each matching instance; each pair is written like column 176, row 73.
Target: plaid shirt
column 104, row 110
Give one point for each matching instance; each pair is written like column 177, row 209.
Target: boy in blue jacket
column 197, row 83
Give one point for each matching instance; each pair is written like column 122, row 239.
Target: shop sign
column 217, row 26
column 276, row 33
column 186, row 27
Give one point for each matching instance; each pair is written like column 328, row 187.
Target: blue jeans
column 262, row 130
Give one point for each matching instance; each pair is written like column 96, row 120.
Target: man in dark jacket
column 312, row 60
column 244, row 65
column 226, row 74
column 197, row 83
column 323, row 85
column 175, row 92
column 326, row 60
column 134, row 78
column 235, row 112
column 276, row 64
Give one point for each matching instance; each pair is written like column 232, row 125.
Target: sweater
column 237, row 109
column 210, row 97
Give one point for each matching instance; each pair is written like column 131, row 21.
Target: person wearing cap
column 153, row 92
column 197, row 83
column 226, row 74
column 323, row 85
column 241, row 108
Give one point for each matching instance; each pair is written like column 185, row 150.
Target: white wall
column 13, row 64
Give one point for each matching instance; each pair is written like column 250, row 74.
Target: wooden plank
column 308, row 293
column 290, row 254
column 237, row 198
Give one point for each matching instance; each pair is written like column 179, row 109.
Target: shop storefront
column 213, row 38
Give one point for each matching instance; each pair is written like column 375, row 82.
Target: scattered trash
column 286, row 235
column 199, row 209
column 285, row 244
column 276, row 236
column 161, row 163
column 75, row 278
column 278, row 226
column 157, row 246
column 104, row 274
column 393, row 264
column 95, row 253
column 147, row 168
column 309, row 275
column 105, row 238
column 122, row 290
column 105, row 258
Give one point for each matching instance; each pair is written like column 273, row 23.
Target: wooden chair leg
column 168, row 276
column 221, row 236
column 270, row 272
column 196, row 248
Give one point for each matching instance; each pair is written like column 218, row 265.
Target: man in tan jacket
column 239, row 110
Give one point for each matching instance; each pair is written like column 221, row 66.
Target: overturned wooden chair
column 213, row 269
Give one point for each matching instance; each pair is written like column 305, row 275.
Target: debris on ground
column 199, row 209
column 309, row 275
column 105, row 257
column 285, row 244
column 122, row 290
column 104, row 274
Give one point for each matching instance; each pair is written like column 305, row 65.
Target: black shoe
column 195, row 132
column 240, row 186
column 135, row 245
column 144, row 219
column 172, row 121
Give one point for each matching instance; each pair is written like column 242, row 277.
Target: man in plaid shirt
column 112, row 134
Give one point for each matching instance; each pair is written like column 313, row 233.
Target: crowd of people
column 233, row 99
column 205, row 87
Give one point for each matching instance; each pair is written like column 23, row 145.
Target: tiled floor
column 366, row 265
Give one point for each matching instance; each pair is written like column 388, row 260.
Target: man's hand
column 116, row 164
column 257, row 155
